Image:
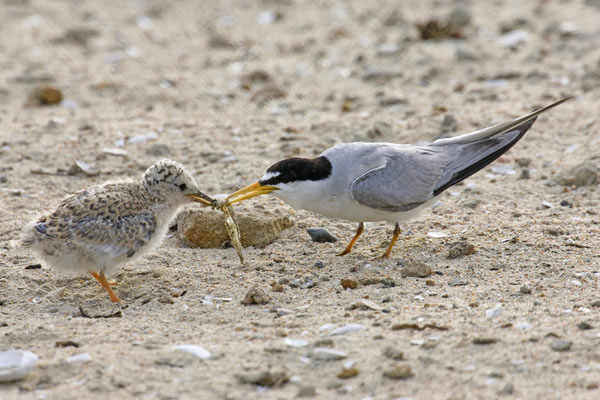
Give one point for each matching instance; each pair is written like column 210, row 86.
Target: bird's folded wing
column 114, row 236
column 405, row 181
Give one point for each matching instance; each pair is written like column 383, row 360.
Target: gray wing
column 406, row 180
column 114, row 236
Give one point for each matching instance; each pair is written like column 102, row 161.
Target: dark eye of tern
column 182, row 187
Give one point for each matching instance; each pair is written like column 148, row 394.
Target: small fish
column 231, row 226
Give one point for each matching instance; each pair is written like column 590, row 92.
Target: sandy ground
column 171, row 79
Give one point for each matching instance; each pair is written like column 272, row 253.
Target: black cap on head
column 297, row 169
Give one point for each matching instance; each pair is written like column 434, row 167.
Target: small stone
column 561, row 345
column 158, row 150
column 321, row 235
column 416, row 269
column 327, row 354
column 284, row 311
column 584, row 326
column 449, row 124
column 484, row 340
column 326, row 342
column 370, row 280
column 465, row 53
column 494, row 311
column 347, row 373
column 306, row 391
column 379, row 129
column 582, row 174
column 457, row 282
column 460, row 16
column 508, row 389
column 460, row 248
column 514, row 38
column 525, row 289
column 349, row 283
column 319, row 264
column 276, row 287
column 205, row 228
column 398, row 371
column 271, row 377
column 166, row 300
column 44, row 96
column 295, row 283
column 268, row 93
column 566, row 203
column 393, row 353
column 255, row 296
column 217, row 40
column 595, row 303
column 254, row 78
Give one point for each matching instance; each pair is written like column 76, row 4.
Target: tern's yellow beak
column 256, row 189
column 200, row 198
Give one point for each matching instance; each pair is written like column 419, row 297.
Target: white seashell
column 15, row 364
column 437, row 234
column 197, row 351
column 295, row 342
column 342, row 330
column 79, row 358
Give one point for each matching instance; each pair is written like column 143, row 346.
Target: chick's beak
column 256, row 189
column 200, row 198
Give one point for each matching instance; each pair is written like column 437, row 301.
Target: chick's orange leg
column 359, row 231
column 100, row 277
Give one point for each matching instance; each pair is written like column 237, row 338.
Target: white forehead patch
column 269, row 175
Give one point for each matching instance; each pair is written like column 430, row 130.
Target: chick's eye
column 182, row 187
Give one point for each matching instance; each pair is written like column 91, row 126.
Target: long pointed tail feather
column 497, row 129
column 474, row 151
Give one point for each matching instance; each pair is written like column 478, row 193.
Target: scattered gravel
column 321, row 235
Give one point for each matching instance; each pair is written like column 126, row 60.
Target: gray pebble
column 416, row 269
column 465, row 53
column 295, row 283
column 459, row 16
column 561, row 345
column 581, row 174
column 321, row 235
column 158, row 150
column 508, row 389
column 306, row 391
column 393, row 353
column 319, row 264
column 255, row 296
column 398, row 371
column 449, row 124
column 379, row 129
column 457, row 282
column 525, row 289
column 584, row 326
column 484, row 340
column 272, row 377
column 460, row 248
column 595, row 303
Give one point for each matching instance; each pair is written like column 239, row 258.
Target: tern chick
column 100, row 228
column 365, row 182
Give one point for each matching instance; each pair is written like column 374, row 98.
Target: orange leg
column 102, row 279
column 359, row 231
column 388, row 252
